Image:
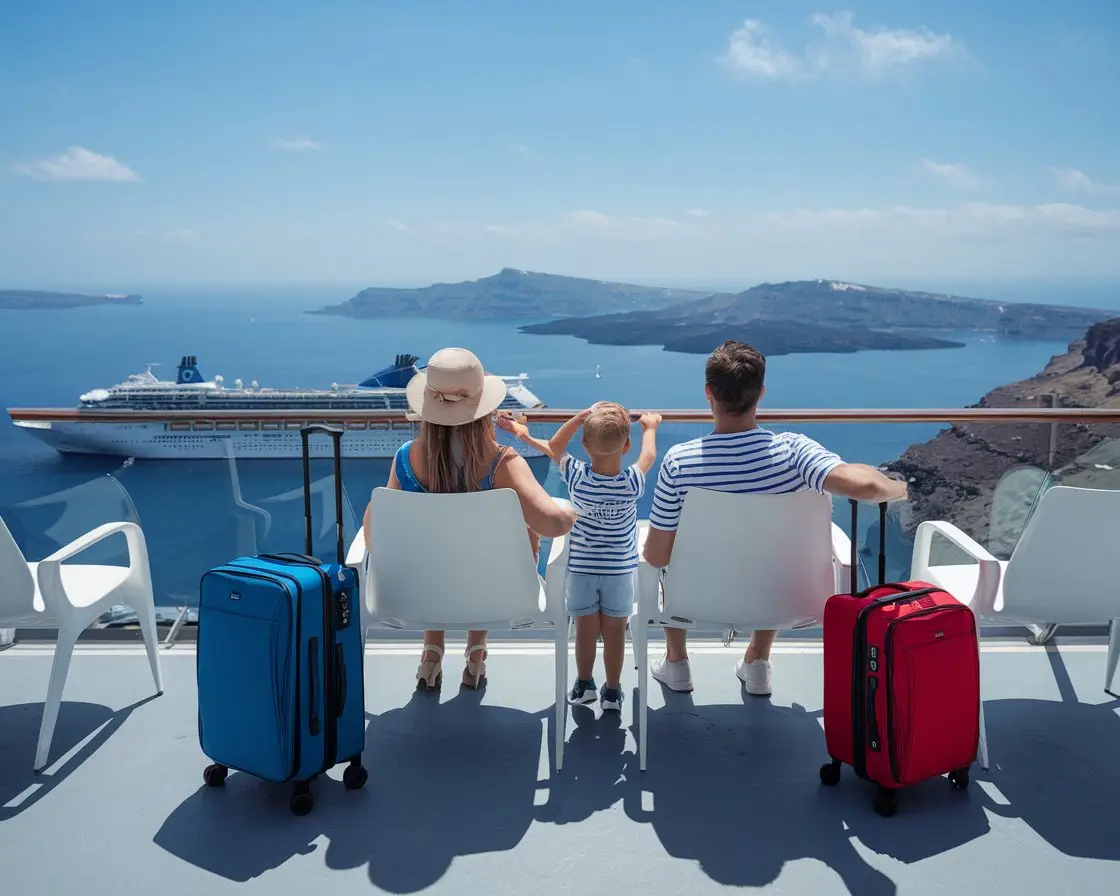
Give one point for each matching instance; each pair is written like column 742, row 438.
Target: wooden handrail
column 554, row 415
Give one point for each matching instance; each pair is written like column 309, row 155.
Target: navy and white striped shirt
column 604, row 540
column 753, row 462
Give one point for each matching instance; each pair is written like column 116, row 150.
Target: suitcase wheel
column 355, row 777
column 886, row 802
column 830, row 773
column 215, row 775
column 959, row 778
column 302, row 801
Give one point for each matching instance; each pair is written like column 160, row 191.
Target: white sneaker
column 755, row 676
column 675, row 676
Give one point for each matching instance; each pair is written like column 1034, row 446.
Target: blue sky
column 890, row 142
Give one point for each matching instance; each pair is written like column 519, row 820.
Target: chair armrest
column 554, row 572
column 923, row 543
column 982, row 601
column 841, row 546
column 48, row 573
column 356, row 553
column 137, row 546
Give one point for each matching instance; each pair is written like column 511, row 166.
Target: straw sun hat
column 454, row 389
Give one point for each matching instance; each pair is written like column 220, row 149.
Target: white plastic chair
column 70, row 597
column 1062, row 570
column 744, row 562
column 461, row 562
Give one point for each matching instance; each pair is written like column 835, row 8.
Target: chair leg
column 63, row 652
column 640, row 636
column 1113, row 654
column 561, row 648
column 147, row 617
column 983, row 737
column 983, row 748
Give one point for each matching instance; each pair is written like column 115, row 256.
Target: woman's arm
column 543, row 515
column 521, row 431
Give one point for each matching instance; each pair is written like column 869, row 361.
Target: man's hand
column 900, row 490
column 649, row 421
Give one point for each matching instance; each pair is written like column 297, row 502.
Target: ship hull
column 159, row 441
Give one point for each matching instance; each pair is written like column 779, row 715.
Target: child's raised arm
column 558, row 444
column 555, row 447
column 649, row 424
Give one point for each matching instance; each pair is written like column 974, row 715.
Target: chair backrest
column 450, row 561
column 758, row 560
column 1063, row 569
column 17, row 587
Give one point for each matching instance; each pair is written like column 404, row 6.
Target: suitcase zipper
column 313, row 660
column 330, row 674
column 240, row 571
column 860, row 706
column 887, row 647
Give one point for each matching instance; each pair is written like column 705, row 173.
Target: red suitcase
column 901, row 682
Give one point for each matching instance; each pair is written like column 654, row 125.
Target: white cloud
column 77, row 163
column 955, row 175
column 900, row 222
column 842, row 46
column 1079, row 182
column 520, row 149
column 878, row 51
column 297, row 144
column 698, row 213
column 751, row 52
column 398, row 226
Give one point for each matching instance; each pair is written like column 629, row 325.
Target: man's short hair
column 606, row 429
column 735, row 373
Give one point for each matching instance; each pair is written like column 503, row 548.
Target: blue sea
column 190, row 510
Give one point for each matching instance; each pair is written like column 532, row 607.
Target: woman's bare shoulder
column 511, row 470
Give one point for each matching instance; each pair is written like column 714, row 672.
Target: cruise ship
column 192, row 417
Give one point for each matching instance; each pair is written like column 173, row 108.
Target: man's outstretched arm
column 864, row 483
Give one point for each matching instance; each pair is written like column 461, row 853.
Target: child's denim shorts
column 611, row 595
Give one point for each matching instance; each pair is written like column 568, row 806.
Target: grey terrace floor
column 461, row 799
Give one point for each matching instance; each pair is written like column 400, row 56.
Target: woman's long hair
column 458, row 457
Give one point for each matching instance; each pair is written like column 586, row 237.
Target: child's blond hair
column 607, row 429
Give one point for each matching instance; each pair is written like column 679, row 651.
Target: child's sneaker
column 582, row 692
column 610, row 698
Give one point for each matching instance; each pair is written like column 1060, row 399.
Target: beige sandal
column 429, row 674
column 475, row 669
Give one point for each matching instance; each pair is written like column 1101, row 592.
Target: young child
column 601, row 578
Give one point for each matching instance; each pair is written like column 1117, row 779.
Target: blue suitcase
column 280, row 662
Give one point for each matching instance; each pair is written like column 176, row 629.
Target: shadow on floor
column 445, row 780
column 598, row 770
column 736, row 789
column 19, row 734
column 1055, row 762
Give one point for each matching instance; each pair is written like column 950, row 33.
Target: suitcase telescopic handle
column 854, row 572
column 336, row 437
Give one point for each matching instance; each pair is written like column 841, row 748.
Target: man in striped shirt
column 738, row 456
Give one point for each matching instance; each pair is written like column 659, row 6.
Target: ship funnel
column 188, row 370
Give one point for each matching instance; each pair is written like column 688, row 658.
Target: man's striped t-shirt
column 753, row 462
column 604, row 540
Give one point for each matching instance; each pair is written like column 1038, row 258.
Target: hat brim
column 454, row 413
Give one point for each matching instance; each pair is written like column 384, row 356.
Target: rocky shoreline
column 954, row 475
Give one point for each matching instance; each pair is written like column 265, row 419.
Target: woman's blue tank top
column 407, row 477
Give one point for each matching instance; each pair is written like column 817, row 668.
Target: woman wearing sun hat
column 458, row 452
